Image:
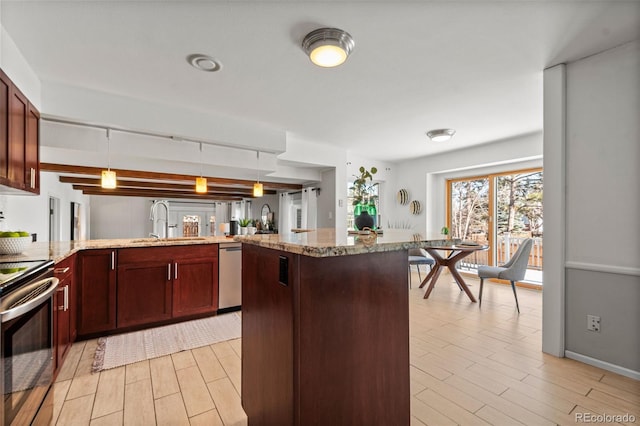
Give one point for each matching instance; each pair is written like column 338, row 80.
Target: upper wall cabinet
column 19, row 141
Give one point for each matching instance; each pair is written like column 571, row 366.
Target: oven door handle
column 46, row 287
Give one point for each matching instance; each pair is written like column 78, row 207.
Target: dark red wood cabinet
column 325, row 340
column 19, row 139
column 195, row 285
column 64, row 310
column 161, row 283
column 96, row 297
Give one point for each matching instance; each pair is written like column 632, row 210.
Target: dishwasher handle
column 231, row 249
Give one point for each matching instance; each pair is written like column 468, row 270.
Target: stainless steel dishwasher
column 229, row 277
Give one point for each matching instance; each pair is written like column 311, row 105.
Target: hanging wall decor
column 415, row 207
column 403, row 196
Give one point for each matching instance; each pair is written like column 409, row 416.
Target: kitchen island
column 325, row 328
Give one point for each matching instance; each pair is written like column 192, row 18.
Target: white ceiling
column 475, row 66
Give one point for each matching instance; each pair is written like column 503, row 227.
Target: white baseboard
column 603, row 364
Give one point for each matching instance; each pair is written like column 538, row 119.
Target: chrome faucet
column 153, row 216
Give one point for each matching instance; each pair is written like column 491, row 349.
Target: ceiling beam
column 123, row 192
column 138, row 174
column 160, row 185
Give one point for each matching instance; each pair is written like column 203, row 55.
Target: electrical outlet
column 593, row 323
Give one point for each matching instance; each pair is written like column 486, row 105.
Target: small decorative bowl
column 14, row 245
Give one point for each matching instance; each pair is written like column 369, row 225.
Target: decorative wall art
column 415, row 207
column 403, row 197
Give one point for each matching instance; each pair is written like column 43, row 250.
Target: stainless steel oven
column 26, row 342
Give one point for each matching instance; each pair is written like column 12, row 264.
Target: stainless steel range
column 26, row 342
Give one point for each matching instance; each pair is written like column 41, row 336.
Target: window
column 499, row 210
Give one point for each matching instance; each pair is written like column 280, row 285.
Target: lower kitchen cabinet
column 195, row 285
column 96, row 291
column 162, row 283
column 64, row 310
column 144, row 293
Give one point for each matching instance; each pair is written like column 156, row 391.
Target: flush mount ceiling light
column 328, row 47
column 108, row 177
column 204, row 62
column 441, row 135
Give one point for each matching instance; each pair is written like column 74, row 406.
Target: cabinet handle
column 168, row 272
column 61, row 307
column 61, row 270
column 113, row 260
column 66, row 297
column 33, row 177
column 175, row 272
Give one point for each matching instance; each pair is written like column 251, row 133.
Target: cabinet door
column 96, row 291
column 5, row 85
column 63, row 322
column 18, row 113
column 144, row 293
column 31, row 155
column 195, row 286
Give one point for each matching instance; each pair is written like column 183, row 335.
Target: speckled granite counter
column 60, row 250
column 326, row 242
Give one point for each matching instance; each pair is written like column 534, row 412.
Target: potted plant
column 364, row 198
column 243, row 223
column 445, row 232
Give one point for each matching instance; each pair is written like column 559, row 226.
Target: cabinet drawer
column 166, row 253
column 64, row 268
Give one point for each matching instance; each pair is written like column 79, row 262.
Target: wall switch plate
column 593, row 323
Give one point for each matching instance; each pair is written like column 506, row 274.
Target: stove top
column 12, row 274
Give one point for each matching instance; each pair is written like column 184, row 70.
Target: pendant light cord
column 109, row 149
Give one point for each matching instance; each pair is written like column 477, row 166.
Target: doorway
column 499, row 210
column 54, row 219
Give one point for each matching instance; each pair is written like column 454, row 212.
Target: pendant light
column 201, row 182
column 257, row 187
column 108, row 180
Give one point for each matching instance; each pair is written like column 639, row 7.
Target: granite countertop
column 59, row 250
column 325, row 242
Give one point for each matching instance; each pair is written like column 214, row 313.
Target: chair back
column 516, row 267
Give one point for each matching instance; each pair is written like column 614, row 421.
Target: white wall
column 326, row 200
column 602, row 265
column 119, row 217
column 16, row 67
column 424, row 178
column 31, row 212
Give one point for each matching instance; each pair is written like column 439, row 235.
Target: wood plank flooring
column 469, row 365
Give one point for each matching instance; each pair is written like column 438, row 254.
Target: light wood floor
column 468, row 366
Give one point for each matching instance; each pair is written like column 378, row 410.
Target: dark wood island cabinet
column 325, row 329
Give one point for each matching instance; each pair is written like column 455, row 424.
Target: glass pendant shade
column 201, row 185
column 257, row 189
column 108, row 180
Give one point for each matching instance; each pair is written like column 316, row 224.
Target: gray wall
column 119, row 217
column 602, row 268
column 327, row 200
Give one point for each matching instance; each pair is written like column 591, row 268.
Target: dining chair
column 514, row 270
column 419, row 257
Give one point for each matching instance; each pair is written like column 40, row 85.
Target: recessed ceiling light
column 328, row 47
column 441, row 135
column 204, row 62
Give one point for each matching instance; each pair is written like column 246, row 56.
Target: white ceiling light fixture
column 441, row 135
column 328, row 47
column 108, row 178
column 204, row 62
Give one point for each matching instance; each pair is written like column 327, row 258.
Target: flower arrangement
column 363, row 186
